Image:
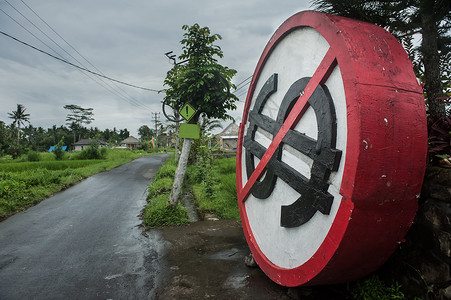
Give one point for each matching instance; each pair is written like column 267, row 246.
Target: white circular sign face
column 293, row 60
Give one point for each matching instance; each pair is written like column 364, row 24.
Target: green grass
column 372, row 287
column 48, row 165
column 223, row 201
column 25, row 183
column 157, row 213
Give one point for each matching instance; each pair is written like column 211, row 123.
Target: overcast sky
column 125, row 40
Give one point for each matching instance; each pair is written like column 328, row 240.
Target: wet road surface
column 84, row 243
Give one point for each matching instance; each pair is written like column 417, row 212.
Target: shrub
column 10, row 187
column 33, row 156
column 103, row 153
column 92, row 152
column 12, row 195
column 58, row 151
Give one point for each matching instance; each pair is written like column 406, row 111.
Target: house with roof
column 228, row 138
column 84, row 143
column 131, row 143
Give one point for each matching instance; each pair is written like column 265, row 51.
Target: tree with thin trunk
column 20, row 117
column 405, row 18
column 203, row 83
column 77, row 117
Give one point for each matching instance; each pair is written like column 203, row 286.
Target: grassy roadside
column 216, row 195
column 26, row 183
column 156, row 213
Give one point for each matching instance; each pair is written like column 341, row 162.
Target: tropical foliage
column 20, row 117
column 431, row 19
column 40, row 139
column 201, row 80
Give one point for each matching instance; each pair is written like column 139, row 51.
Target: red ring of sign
column 375, row 212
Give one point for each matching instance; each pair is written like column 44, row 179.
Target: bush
column 10, row 188
column 33, row 156
column 91, row 152
column 12, row 195
column 58, row 150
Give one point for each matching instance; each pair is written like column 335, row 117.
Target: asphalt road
column 85, row 243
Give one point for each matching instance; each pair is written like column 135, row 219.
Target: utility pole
column 156, row 116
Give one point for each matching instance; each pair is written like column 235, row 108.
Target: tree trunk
column 180, row 173
column 177, row 141
column 18, row 134
column 431, row 61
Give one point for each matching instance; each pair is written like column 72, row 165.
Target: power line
column 130, row 99
column 77, row 66
column 244, row 81
column 102, row 82
column 44, row 43
column 243, row 85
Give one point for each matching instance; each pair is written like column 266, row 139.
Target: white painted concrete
column 297, row 56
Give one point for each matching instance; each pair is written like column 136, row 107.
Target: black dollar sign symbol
column 313, row 191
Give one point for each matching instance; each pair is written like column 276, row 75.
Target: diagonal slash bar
column 320, row 76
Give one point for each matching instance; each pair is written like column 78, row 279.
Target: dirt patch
column 206, row 260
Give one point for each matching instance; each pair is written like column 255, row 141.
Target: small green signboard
column 187, row 112
column 189, row 131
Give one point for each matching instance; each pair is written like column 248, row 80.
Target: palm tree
column 20, row 117
column 404, row 18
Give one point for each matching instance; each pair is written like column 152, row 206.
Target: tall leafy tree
column 124, row 133
column 19, row 118
column 202, row 82
column 145, row 133
column 77, row 117
column 6, row 138
column 404, row 18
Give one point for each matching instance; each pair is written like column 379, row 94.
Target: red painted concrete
column 384, row 162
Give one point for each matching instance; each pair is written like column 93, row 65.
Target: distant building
column 131, row 143
column 84, row 143
column 228, row 138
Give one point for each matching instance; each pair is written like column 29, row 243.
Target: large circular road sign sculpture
column 331, row 150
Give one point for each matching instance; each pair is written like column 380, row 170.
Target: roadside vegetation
column 214, row 187
column 212, row 182
column 157, row 213
column 31, row 178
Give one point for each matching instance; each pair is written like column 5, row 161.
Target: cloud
column 125, row 40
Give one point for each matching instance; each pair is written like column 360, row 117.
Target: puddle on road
column 229, row 254
column 236, row 281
